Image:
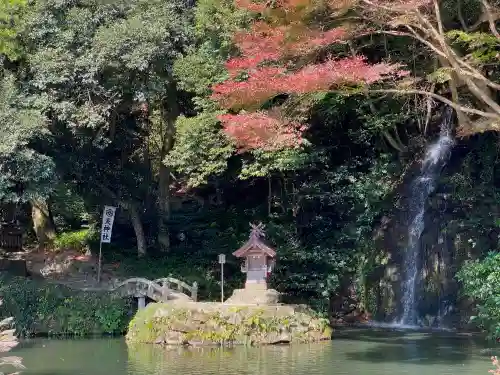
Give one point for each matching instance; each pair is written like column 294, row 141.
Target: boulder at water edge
column 197, row 324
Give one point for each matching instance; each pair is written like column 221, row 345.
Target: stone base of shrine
column 254, row 295
column 256, row 286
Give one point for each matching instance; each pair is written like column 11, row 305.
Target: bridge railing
column 180, row 286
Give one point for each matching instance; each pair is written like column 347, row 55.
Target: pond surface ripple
column 354, row 351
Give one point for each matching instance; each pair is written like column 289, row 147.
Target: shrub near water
column 48, row 309
column 481, row 281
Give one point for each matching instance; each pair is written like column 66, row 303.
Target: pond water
column 356, row 352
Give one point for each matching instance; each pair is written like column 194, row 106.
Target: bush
column 49, row 309
column 76, row 240
column 481, row 281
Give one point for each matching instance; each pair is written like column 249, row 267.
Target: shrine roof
column 255, row 242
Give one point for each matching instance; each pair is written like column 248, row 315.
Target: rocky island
column 252, row 316
column 198, row 323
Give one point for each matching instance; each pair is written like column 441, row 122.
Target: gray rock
column 277, row 338
column 175, row 338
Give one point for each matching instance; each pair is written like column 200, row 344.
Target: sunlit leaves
column 11, row 12
column 483, row 47
column 481, row 281
column 24, row 173
column 201, row 149
column 262, row 163
column 18, row 125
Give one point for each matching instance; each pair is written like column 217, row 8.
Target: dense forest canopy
column 196, row 117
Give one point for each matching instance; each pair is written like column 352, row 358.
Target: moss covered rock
column 41, row 308
column 193, row 324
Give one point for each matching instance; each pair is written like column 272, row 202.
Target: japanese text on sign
column 108, row 219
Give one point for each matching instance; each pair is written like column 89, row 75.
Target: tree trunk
column 43, row 224
column 163, row 208
column 135, row 218
column 170, row 112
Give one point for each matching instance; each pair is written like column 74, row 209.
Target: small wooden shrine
column 259, row 258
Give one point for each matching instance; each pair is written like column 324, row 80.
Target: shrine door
column 256, row 271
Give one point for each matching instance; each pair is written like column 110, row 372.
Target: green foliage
column 187, row 267
column 24, row 173
column 76, row 240
column 207, row 234
column 47, row 309
column 215, row 22
column 261, row 163
column 481, row 281
column 19, row 124
column 201, row 149
column 198, row 70
column 471, row 194
column 83, row 115
column 11, row 12
column 331, row 243
column 68, row 208
column 483, row 47
column 125, row 54
column 440, row 75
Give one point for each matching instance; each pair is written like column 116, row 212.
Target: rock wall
column 198, row 324
column 461, row 223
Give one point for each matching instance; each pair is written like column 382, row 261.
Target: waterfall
column 436, row 156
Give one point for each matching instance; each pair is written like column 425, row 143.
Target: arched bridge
column 159, row 290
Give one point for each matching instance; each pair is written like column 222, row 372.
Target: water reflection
column 73, row 357
column 299, row 359
column 424, row 348
column 352, row 352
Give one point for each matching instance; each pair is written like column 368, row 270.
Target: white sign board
column 222, row 258
column 108, row 218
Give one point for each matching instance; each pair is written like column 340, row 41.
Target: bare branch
column 437, row 11
column 453, row 60
column 491, row 19
column 429, row 110
column 461, row 16
column 455, row 106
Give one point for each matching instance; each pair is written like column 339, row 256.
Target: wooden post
column 194, row 291
column 165, row 292
column 141, row 302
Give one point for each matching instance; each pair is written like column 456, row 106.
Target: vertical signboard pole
column 222, row 260
column 108, row 218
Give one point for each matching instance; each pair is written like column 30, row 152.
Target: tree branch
column 461, row 16
column 441, row 99
column 491, row 19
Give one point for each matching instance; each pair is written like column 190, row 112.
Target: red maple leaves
column 265, row 69
column 267, row 82
column 259, row 130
